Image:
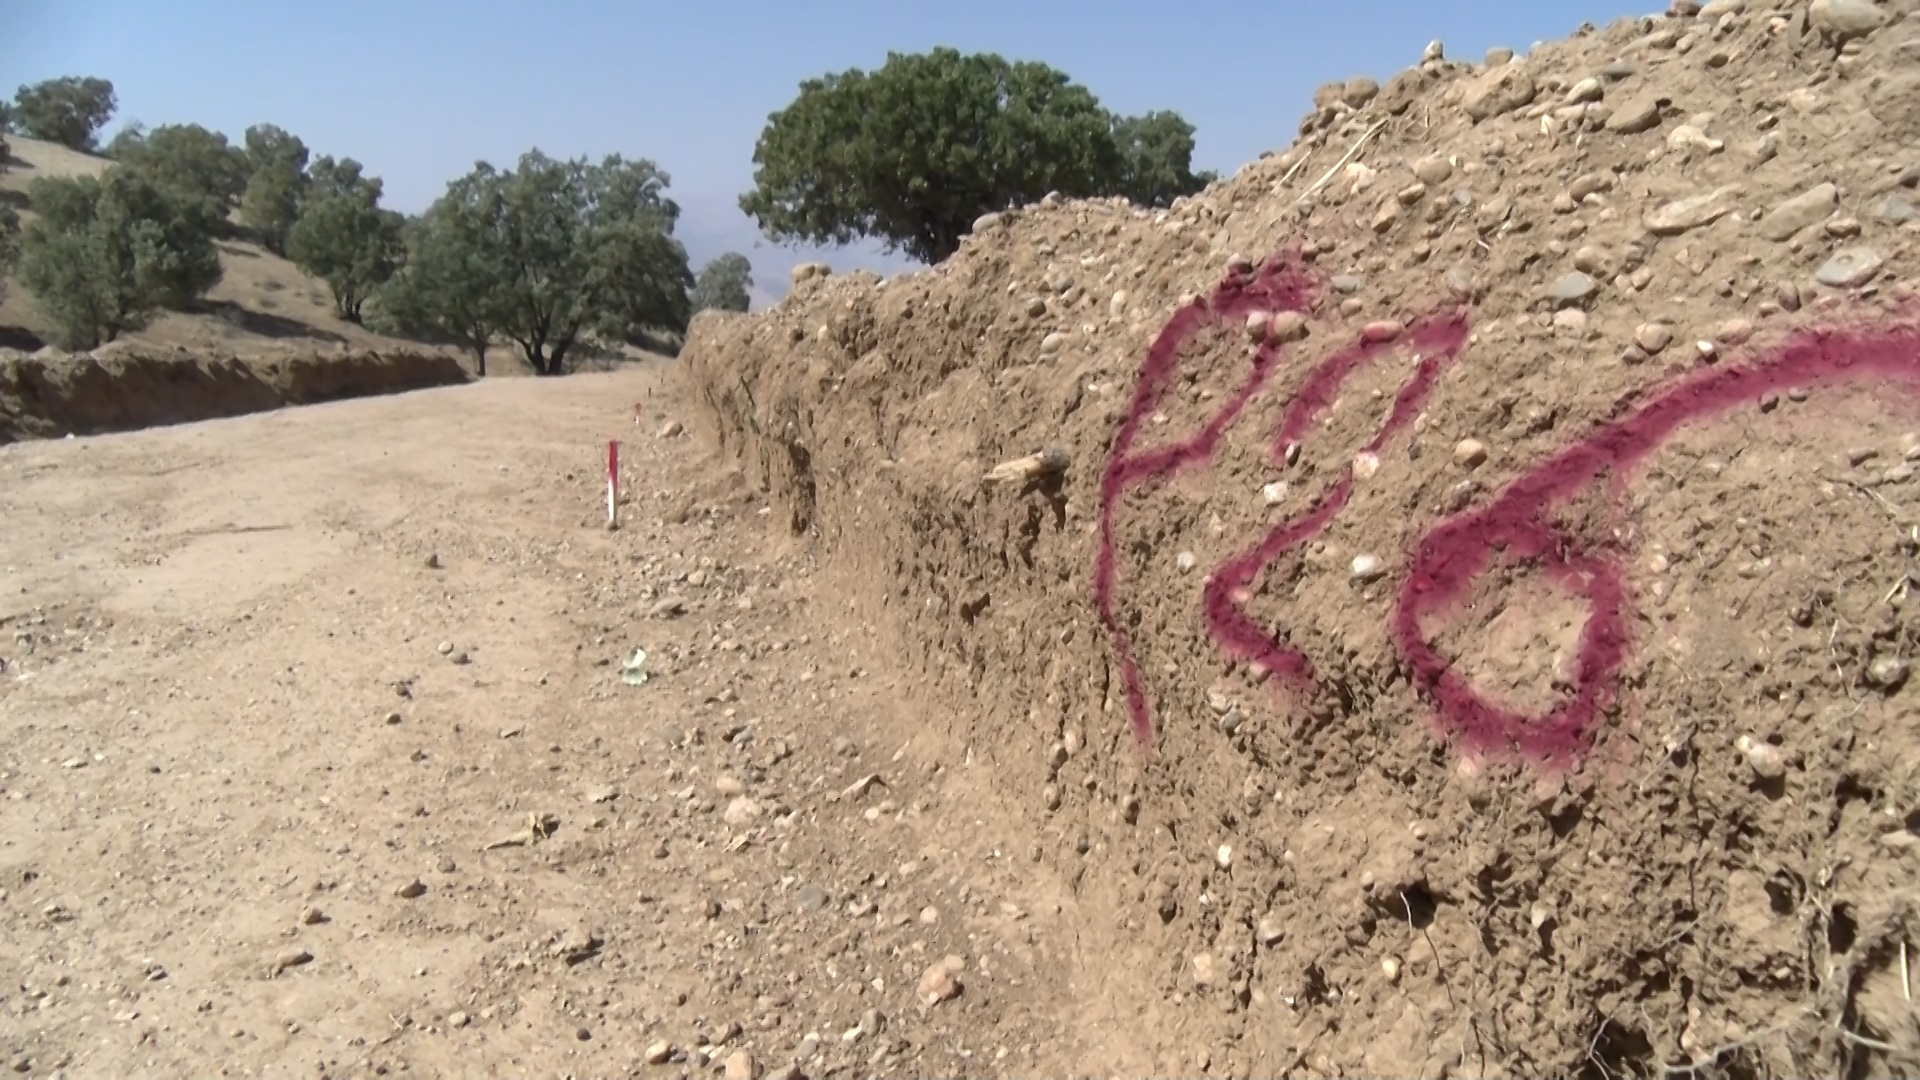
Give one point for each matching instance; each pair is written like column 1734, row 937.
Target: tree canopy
column 343, row 236
column 276, row 177
column 69, row 111
column 913, row 153
column 545, row 254
column 9, row 244
column 722, row 284
column 103, row 253
column 187, row 157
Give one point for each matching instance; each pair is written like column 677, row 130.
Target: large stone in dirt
column 1637, row 114
column 1810, row 207
column 1498, row 92
column 1683, row 215
column 1847, row 19
column 1849, row 268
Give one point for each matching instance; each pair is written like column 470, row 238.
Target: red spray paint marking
column 1282, row 285
column 1437, row 340
column 1455, row 552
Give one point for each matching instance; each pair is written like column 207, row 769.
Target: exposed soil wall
column 123, row 388
column 1471, row 631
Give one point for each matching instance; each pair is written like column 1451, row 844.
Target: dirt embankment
column 123, row 388
column 1471, row 630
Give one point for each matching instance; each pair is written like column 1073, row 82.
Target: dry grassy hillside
column 265, row 304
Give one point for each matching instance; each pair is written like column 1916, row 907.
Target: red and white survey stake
column 613, row 482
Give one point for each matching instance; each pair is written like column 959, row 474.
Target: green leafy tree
column 276, row 178
column 9, row 243
column 448, row 289
column 722, row 284
column 1156, row 154
column 548, row 253
column 186, row 157
column 343, row 236
column 103, row 253
column 912, row 153
column 69, row 111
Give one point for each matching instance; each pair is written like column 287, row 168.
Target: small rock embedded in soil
column 941, row 981
column 1765, row 759
column 457, row 1019
column 1808, row 208
column 1849, row 268
column 412, row 890
column 1367, row 567
column 1887, row 673
column 741, row 1066
column 1572, row 288
column 1653, row 337
column 1469, row 453
column 659, row 1052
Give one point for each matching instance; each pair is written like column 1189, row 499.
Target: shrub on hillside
column 545, row 254
column 342, row 235
column 9, row 244
column 722, row 284
column 69, row 111
column 276, row 176
column 913, row 153
column 187, row 157
column 104, row 253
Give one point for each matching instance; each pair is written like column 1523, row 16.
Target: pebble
column 1843, row 228
column 659, row 1052
column 1586, row 90
column 1810, row 207
column 457, row 1019
column 809, row 1046
column 1390, row 967
column 1849, row 268
column 1270, row 928
column 1186, row 561
column 433, row 561
column 1639, row 113
column 1887, row 672
column 1036, row 307
column 1571, row 320
column 1274, row 493
column 583, row 1034
column 741, row 811
column 1572, row 288
column 1653, row 336
column 312, row 916
column 1847, row 19
column 1499, row 56
column 941, row 981
column 460, row 656
column 1765, row 759
column 728, row 787
column 1359, row 90
column 1434, row 51
column 1469, row 453
column 1498, row 92
column 1895, row 210
column 741, row 1066
column 291, row 958
column 811, row 898
column 1207, row 970
column 412, row 890
column 673, row 430
column 445, row 865
column 1433, row 170
column 1733, row 332
column 446, row 648
column 1367, row 567
column 1683, row 215
column 985, row 222
column 1381, row 330
column 1052, row 342
column 1287, row 326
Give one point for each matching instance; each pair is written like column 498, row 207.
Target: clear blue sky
column 418, row 91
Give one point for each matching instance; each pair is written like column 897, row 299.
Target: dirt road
column 318, row 761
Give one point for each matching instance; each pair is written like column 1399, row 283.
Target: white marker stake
column 613, row 482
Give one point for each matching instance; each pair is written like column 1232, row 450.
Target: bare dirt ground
column 318, row 761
